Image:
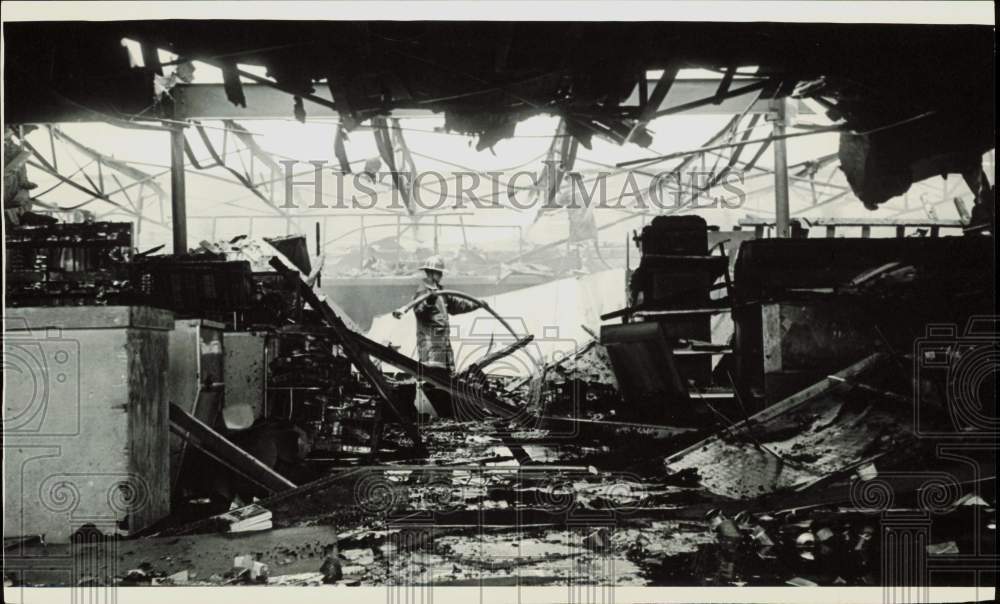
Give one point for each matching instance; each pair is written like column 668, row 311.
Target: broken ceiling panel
column 486, row 78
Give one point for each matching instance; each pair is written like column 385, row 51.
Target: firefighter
column 433, row 343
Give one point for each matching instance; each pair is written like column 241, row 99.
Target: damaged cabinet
column 194, row 379
column 804, row 307
column 244, row 360
column 803, row 342
column 85, row 431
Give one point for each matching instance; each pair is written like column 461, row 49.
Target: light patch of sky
column 215, row 193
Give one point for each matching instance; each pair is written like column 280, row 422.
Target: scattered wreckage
column 640, row 452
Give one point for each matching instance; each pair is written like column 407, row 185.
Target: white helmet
column 434, row 263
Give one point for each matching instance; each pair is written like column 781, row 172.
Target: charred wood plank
column 224, row 451
column 506, row 351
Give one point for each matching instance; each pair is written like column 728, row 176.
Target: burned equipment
column 68, row 264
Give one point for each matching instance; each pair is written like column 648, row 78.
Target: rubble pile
column 827, row 435
column 625, row 461
column 582, row 384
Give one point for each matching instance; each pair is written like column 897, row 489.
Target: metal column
column 177, row 192
column 781, row 211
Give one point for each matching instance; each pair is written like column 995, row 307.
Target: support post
column 177, row 193
column 141, row 203
column 781, row 211
column 319, row 254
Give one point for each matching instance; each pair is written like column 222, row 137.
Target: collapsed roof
column 916, row 101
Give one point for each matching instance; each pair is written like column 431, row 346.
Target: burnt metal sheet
column 809, row 435
column 244, row 370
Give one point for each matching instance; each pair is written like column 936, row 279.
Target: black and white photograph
column 499, row 302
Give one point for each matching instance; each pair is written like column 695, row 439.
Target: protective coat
column 433, row 341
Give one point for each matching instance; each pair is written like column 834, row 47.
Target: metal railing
column 764, row 227
column 401, row 224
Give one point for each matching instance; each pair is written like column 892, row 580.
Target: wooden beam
column 651, row 104
column 690, row 91
column 508, row 350
column 724, row 84
column 222, row 449
column 717, row 99
column 209, row 102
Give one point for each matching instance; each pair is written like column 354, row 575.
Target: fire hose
column 398, row 313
